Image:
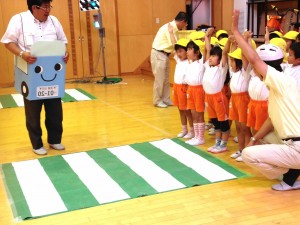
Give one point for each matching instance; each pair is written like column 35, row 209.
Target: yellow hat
column 237, row 54
column 219, row 32
column 222, row 43
column 281, row 43
column 253, row 44
column 213, row 40
column 182, row 42
column 277, row 32
column 201, row 45
column 197, row 35
column 291, row 35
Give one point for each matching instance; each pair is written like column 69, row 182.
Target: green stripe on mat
column 233, row 170
column 85, row 93
column 68, row 98
column 56, row 168
column 20, row 206
column 121, row 173
column 8, row 101
column 178, row 170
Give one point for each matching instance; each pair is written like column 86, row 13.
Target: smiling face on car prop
column 46, row 77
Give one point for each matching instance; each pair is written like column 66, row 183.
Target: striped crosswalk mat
column 71, row 95
column 69, row 182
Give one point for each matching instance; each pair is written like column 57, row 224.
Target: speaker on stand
column 86, row 5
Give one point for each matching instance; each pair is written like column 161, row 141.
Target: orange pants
column 217, row 106
column 238, row 106
column 257, row 113
column 195, row 99
column 180, row 96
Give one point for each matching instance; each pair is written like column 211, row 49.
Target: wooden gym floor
column 124, row 114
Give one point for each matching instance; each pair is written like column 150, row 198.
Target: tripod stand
column 98, row 25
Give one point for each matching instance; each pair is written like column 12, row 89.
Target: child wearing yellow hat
column 216, row 69
column 180, row 89
column 195, row 92
column 238, row 104
column 290, row 37
column 220, row 34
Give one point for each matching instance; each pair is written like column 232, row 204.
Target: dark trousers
column 53, row 120
column 291, row 176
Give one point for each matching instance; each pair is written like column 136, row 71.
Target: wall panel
column 133, row 51
column 135, row 17
column 139, row 20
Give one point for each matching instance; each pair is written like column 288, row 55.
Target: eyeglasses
column 45, row 8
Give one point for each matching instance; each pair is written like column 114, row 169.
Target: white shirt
column 293, row 71
column 239, row 81
column 284, row 108
column 194, row 73
column 180, row 70
column 24, row 30
column 284, row 65
column 257, row 89
column 214, row 78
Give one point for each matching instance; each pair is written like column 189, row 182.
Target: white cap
column 269, row 52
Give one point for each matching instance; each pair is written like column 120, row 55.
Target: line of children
column 248, row 103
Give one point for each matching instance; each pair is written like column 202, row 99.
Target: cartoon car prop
column 46, row 77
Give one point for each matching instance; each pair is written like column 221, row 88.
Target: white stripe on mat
column 1, row 107
column 205, row 168
column 159, row 179
column 100, row 184
column 77, row 95
column 18, row 99
column 40, row 194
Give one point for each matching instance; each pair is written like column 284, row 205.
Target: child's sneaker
column 188, row 141
column 182, row 134
column 239, row 159
column 211, row 131
column 236, row 154
column 219, row 149
column 196, row 141
column 212, row 147
column 189, row 135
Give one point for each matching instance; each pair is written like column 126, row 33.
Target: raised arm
column 248, row 38
column 208, row 34
column 225, row 53
column 171, row 32
column 267, row 36
column 251, row 55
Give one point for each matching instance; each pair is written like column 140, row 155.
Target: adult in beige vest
column 24, row 29
column 275, row 160
column 162, row 46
